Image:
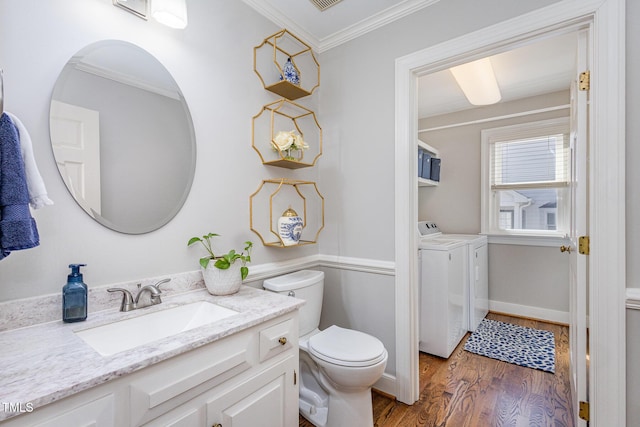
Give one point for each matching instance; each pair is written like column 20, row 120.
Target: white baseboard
column 529, row 311
column 386, row 384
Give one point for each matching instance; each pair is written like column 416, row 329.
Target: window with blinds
column 527, row 176
column 530, row 163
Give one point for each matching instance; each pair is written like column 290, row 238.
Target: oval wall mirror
column 122, row 137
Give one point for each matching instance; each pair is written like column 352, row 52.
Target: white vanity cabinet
column 96, row 407
column 265, row 400
column 99, row 412
column 269, row 398
column 264, row 390
column 245, row 379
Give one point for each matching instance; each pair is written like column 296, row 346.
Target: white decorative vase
column 290, row 227
column 222, row 282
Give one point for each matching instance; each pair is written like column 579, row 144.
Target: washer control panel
column 426, row 228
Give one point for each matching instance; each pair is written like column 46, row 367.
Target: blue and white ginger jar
column 290, row 227
column 290, row 73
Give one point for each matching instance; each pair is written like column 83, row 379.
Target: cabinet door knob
column 565, row 249
column 217, row 425
column 283, row 340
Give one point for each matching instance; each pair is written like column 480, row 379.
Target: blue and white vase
column 290, row 227
column 290, row 73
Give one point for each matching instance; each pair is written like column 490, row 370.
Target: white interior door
column 75, row 137
column 579, row 227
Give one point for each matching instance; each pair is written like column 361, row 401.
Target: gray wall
column 357, row 98
column 633, row 206
column 531, row 277
column 633, row 148
column 361, row 301
column 516, row 275
column 357, row 110
column 633, row 368
column 211, row 62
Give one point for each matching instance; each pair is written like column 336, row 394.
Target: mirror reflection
column 122, row 137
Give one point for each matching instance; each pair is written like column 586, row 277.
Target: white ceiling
column 543, row 67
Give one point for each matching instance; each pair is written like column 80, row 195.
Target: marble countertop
column 46, row 362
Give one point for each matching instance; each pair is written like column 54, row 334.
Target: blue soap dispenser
column 74, row 296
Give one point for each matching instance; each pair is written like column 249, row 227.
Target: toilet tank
column 304, row 284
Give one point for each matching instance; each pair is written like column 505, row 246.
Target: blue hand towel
column 17, row 228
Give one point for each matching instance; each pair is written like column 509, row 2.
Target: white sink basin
column 130, row 333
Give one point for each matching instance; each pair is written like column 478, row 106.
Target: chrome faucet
column 129, row 303
column 127, row 300
column 154, row 290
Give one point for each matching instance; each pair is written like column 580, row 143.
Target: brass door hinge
column 583, row 245
column 585, row 81
column 583, row 413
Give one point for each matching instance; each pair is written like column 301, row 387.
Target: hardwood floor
column 468, row 390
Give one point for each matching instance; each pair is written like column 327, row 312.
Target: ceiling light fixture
column 478, row 82
column 172, row 13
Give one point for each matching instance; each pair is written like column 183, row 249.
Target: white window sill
column 527, row 240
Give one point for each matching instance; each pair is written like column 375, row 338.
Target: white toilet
column 337, row 366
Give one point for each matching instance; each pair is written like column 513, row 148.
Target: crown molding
column 356, row 30
column 273, row 15
column 374, row 22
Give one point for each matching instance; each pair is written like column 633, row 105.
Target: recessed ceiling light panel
column 323, row 5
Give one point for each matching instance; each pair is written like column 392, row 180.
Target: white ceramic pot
column 222, row 282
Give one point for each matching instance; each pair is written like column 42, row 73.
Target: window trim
column 522, row 240
column 512, row 132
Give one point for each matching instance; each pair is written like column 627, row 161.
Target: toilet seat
column 346, row 347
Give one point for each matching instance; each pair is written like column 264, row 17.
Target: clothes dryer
column 477, row 277
column 443, row 292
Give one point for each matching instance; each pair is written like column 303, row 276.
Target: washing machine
column 444, row 300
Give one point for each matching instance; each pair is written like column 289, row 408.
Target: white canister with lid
column 290, row 227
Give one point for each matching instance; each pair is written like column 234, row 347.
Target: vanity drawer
column 100, row 413
column 175, row 381
column 276, row 339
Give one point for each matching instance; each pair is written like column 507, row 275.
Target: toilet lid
column 346, row 347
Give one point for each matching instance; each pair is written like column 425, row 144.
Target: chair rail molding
column 633, row 298
column 364, row 265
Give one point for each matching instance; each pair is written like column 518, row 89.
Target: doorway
column 529, row 275
column 606, row 272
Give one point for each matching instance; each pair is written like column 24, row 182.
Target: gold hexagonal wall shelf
column 275, row 196
column 281, row 120
column 270, row 57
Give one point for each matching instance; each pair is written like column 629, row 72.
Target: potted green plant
column 225, row 274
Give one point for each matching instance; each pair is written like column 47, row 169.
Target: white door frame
column 606, row 189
